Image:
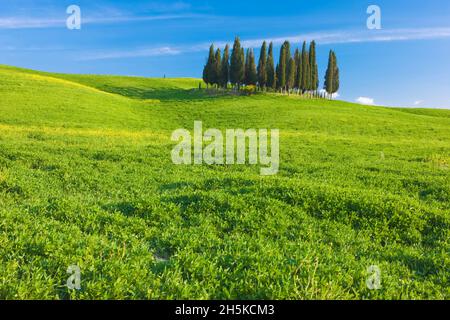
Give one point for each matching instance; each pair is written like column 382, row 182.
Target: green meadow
column 87, row 179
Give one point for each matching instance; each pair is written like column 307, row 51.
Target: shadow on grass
column 164, row 93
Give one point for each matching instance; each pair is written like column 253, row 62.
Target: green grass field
column 86, row 178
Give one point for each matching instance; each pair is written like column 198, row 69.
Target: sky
column 405, row 63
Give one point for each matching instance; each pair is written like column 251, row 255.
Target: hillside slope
column 86, row 178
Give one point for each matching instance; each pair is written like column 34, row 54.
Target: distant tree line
column 296, row 73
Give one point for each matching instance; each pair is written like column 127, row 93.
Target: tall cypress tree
column 247, row 60
column 205, row 74
column 271, row 74
column 314, row 82
column 262, row 67
column 298, row 70
column 277, row 72
column 225, row 78
column 208, row 70
column 217, row 69
column 332, row 75
column 251, row 76
column 237, row 63
column 290, row 78
column 305, row 69
column 243, row 62
column 287, row 57
column 282, row 68
column 336, row 83
column 328, row 84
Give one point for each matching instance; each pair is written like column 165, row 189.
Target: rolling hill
column 86, row 179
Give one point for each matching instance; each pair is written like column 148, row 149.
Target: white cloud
column 418, row 102
column 366, row 101
column 31, row 23
column 355, row 36
column 27, row 23
column 319, row 37
column 149, row 52
column 167, row 7
column 111, row 16
column 124, row 19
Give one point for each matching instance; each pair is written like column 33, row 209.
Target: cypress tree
column 305, row 69
column 243, row 62
column 282, row 68
column 287, row 57
column 314, row 82
column 290, row 79
column 234, row 61
column 332, row 75
column 225, row 77
column 205, row 74
column 336, row 84
column 277, row 72
column 208, row 74
column 251, row 77
column 262, row 67
column 298, row 71
column 217, row 69
column 271, row 74
column 329, row 74
column 247, row 60
column 237, row 64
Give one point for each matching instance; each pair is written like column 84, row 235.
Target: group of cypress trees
column 298, row 72
column 293, row 73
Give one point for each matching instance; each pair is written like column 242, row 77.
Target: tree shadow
column 164, row 94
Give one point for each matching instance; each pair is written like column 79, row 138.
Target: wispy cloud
column 151, row 52
column 167, row 7
column 123, row 19
column 331, row 37
column 354, row 36
column 32, row 23
column 29, row 23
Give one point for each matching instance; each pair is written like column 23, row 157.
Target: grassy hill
column 86, row 179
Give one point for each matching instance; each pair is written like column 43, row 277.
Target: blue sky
column 406, row 63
